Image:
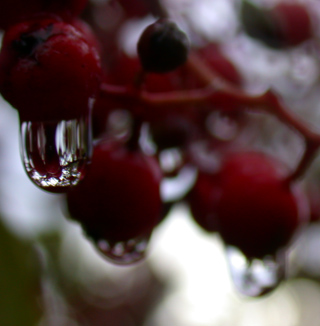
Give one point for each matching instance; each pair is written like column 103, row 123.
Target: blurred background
column 51, row 275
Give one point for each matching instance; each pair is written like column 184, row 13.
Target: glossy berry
column 49, row 69
column 162, row 47
column 15, row 11
column 251, row 205
column 294, row 21
column 119, row 199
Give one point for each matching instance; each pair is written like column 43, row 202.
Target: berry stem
column 156, row 8
column 107, row 89
column 194, row 96
column 133, row 142
column 267, row 102
column 273, row 105
column 312, row 139
column 309, row 154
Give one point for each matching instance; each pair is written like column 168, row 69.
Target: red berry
column 119, row 199
column 251, row 205
column 294, row 21
column 49, row 70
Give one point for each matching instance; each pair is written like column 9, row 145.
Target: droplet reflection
column 55, row 154
column 124, row 252
column 255, row 277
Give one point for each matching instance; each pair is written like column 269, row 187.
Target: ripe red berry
column 162, row 47
column 119, row 199
column 294, row 22
column 252, row 207
column 15, row 11
column 49, row 70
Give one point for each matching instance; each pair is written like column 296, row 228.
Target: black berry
column 163, row 47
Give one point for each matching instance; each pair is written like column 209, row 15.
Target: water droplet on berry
column 124, row 252
column 255, row 277
column 55, row 154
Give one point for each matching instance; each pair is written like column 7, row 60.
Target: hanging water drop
column 55, row 154
column 124, row 252
column 255, row 277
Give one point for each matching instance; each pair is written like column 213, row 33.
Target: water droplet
column 175, row 188
column 255, row 277
column 124, row 252
column 55, row 154
column 222, row 126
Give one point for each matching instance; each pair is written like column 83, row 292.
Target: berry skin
column 294, row 21
column 119, row 199
column 162, row 47
column 15, row 11
column 252, row 207
column 49, row 70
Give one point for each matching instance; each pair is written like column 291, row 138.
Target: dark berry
column 163, row 47
column 119, row 199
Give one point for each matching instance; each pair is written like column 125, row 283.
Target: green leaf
column 19, row 282
column 259, row 24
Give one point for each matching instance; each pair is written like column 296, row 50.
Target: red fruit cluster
column 185, row 104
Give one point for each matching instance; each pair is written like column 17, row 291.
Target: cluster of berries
column 98, row 125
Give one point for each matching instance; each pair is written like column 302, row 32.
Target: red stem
column 267, row 102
